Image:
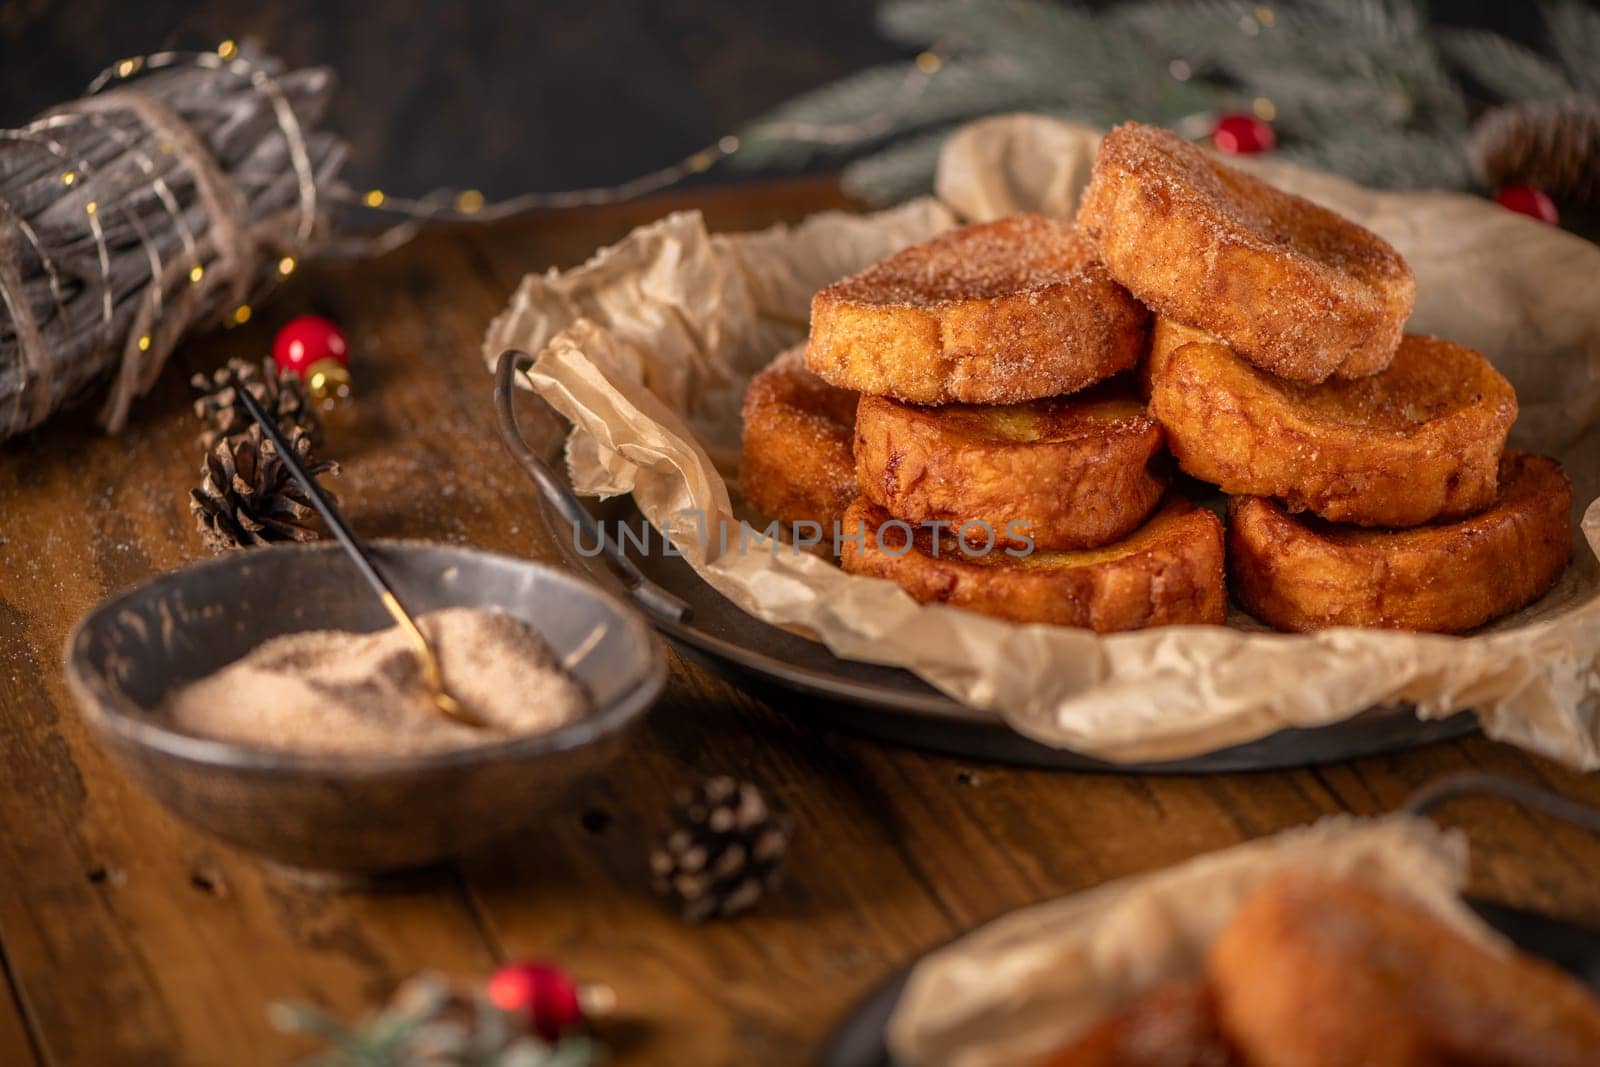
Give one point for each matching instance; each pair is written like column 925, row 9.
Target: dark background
column 502, row 95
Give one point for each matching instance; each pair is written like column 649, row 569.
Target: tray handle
column 648, row 595
column 1477, row 783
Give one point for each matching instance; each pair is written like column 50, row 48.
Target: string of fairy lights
column 470, row 205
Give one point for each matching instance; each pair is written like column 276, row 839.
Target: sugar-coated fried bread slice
column 796, row 463
column 1419, row 441
column 992, row 313
column 1292, row 287
column 1168, row 571
column 1299, row 573
column 1316, row 971
column 1077, row 471
column 1170, row 1026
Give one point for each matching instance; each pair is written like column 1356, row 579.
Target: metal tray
column 882, row 702
column 860, row 1039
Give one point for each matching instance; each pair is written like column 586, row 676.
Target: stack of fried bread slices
column 985, row 419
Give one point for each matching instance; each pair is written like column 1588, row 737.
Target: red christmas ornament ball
column 1243, row 135
column 315, row 351
column 543, row 994
column 307, row 341
column 1528, row 200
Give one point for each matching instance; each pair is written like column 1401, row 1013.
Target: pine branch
column 1025, row 29
column 970, row 24
column 1574, row 31
column 1503, row 67
column 1373, row 156
column 1001, row 56
column 883, row 102
column 1376, row 20
column 868, row 100
column 1359, row 86
column 897, row 173
column 430, row 1022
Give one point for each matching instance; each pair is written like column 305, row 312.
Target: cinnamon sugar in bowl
column 346, row 810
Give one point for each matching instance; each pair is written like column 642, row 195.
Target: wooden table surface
column 125, row 937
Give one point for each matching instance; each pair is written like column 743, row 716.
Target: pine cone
column 248, row 497
column 1553, row 146
column 282, row 395
column 723, row 850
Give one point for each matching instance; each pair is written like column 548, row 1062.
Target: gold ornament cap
column 328, row 380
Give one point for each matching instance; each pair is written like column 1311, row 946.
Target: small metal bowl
column 339, row 815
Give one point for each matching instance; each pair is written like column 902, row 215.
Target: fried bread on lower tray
column 1317, row 971
column 1170, row 1026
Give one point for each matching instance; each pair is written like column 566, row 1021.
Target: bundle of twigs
column 158, row 203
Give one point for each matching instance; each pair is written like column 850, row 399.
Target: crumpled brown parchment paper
column 1031, row 981
column 646, row 349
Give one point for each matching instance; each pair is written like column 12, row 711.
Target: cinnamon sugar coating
column 992, row 313
column 1167, row 572
column 797, row 464
column 1305, row 574
column 1293, row 288
column 1418, row 442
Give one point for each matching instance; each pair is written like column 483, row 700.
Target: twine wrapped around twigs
column 161, row 202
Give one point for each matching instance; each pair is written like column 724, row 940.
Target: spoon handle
column 432, row 676
column 319, row 499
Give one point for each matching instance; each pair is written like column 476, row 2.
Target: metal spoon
column 432, row 677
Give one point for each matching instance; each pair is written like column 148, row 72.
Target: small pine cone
column 282, row 395
column 248, row 497
column 725, row 848
column 1552, row 145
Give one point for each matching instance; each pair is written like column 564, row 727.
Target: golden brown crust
column 1077, row 471
column 1167, row 572
column 1170, row 1026
column 1166, row 337
column 1418, row 442
column 1305, row 574
column 796, row 463
column 1316, row 971
column 1292, row 287
column 993, row 313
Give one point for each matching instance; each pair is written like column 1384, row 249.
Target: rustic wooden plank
column 1060, row 833
column 1520, row 857
column 759, row 989
column 16, row 1043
